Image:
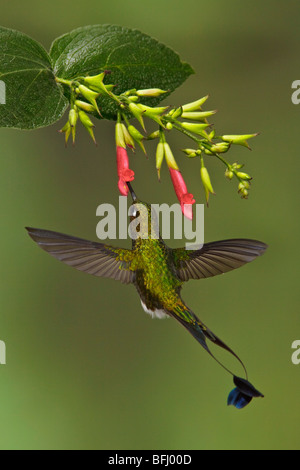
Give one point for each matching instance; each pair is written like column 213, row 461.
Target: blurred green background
column 86, row 368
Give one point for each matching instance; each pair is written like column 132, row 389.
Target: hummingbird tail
column 244, row 391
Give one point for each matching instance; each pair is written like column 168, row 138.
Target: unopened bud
column 95, row 80
column 170, row 157
column 134, row 98
column 90, row 95
column 197, row 116
column 89, row 108
column 151, row 92
column 243, row 191
column 195, row 105
column 120, row 140
column 237, row 166
column 67, row 131
column 137, row 113
column 220, row 147
column 137, row 136
column 151, row 112
column 191, row 153
column 206, row 183
column 84, row 118
column 229, row 174
column 127, row 137
column 153, row 135
column 96, row 84
column 239, row 139
column 195, row 128
column 243, row 176
column 160, row 152
column 176, row 113
column 73, row 116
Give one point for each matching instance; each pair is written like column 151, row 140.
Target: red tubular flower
column 186, row 199
column 124, row 172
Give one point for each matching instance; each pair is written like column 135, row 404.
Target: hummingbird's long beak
column 133, row 195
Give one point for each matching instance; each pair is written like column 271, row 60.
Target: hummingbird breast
column 156, row 280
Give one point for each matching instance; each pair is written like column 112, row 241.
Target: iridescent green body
column 156, row 278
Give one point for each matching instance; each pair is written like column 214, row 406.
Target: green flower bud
column 127, row 137
column 153, row 135
column 152, row 113
column 169, row 126
column 170, row 157
column 67, row 131
column 120, row 140
column 243, row 176
column 239, row 139
column 206, row 183
column 197, row 116
column 195, row 128
column 84, row 118
column 134, row 99
column 160, row 152
column 137, row 136
column 89, row 95
column 96, row 84
column 220, row 147
column 148, row 111
column 229, row 174
column 195, row 105
column 151, row 92
column 237, row 166
column 176, row 113
column 95, row 80
column 137, row 113
column 246, row 184
column 191, row 153
column 89, row 108
column 73, row 117
column 243, row 191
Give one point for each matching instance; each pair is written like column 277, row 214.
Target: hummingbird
column 158, row 273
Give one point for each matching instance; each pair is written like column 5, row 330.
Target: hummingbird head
column 143, row 219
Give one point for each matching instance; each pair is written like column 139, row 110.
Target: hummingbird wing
column 216, row 258
column 91, row 257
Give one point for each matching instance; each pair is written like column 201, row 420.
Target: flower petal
column 123, row 188
column 178, row 183
column 187, row 210
column 126, row 174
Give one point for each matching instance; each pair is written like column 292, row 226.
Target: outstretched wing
column 91, row 257
column 216, row 258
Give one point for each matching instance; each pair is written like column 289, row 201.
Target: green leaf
column 134, row 59
column 33, row 98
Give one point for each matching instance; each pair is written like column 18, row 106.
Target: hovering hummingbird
column 158, row 273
